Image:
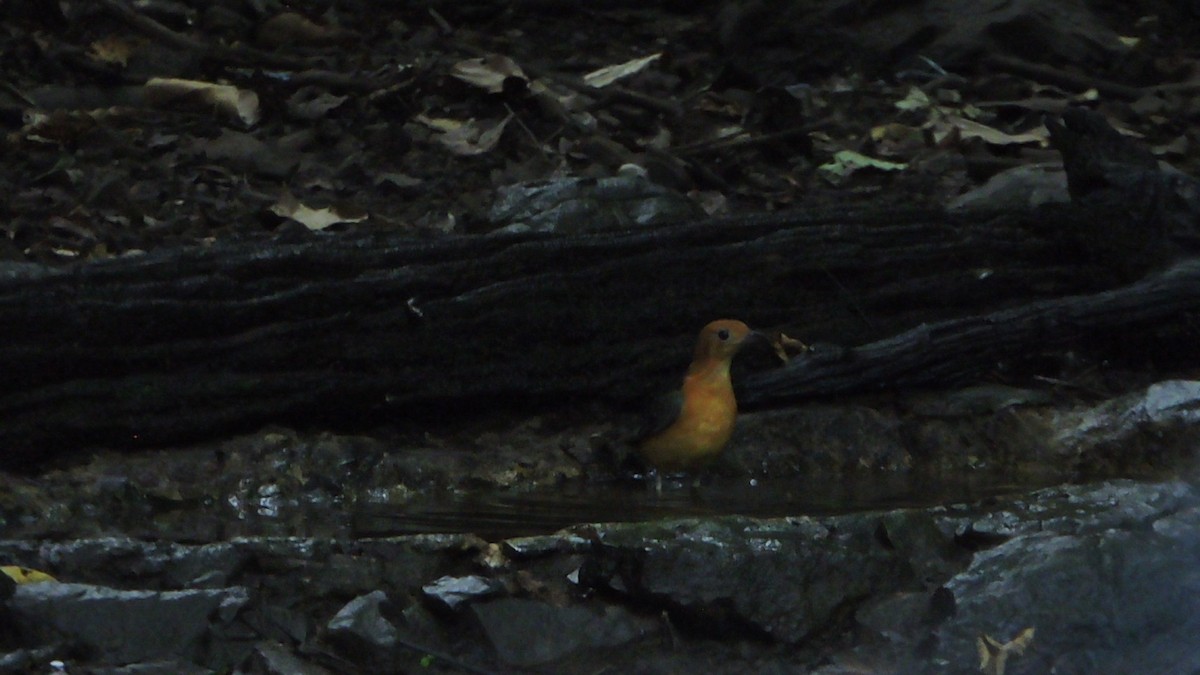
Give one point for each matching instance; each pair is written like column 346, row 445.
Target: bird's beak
column 757, row 337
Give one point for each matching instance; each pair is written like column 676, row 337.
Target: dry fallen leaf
column 492, row 557
column 967, row 129
column 290, row 28
column 228, row 99
column 846, row 162
column 311, row 103
column 916, row 99
column 466, row 138
column 782, row 344
column 993, row 654
column 246, row 152
column 487, row 72
column 314, row 219
column 897, row 140
column 113, row 49
column 26, row 575
column 609, row 74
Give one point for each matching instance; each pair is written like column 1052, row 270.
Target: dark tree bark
column 349, row 331
column 959, row 350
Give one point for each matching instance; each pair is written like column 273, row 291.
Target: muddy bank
column 503, row 479
column 892, row 534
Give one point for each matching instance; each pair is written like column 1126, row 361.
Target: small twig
column 529, row 132
column 441, row 21
column 666, row 617
column 237, row 56
column 704, row 175
column 443, row 657
column 6, row 86
column 1063, row 78
column 1056, row 76
column 619, row 93
column 153, row 28
column 336, row 80
column 1175, row 87
column 1058, row 382
column 747, row 141
column 240, row 55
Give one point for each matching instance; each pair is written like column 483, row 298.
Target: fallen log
column 961, row 350
column 354, row 330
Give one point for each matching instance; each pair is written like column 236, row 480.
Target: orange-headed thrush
column 690, row 426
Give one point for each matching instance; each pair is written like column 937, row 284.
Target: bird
column 689, row 427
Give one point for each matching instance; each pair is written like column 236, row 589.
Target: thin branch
column 963, row 349
column 216, row 52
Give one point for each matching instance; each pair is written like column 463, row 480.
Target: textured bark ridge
column 351, row 330
column 959, row 350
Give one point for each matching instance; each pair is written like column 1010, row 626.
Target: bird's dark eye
column 723, row 334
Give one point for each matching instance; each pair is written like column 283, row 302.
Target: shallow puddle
column 496, row 514
column 500, row 515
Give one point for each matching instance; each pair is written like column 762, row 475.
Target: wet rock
column 542, row 545
column 156, row 668
column 900, row 616
column 123, row 627
column 361, row 625
column 1114, row 601
column 111, row 557
column 452, row 592
column 766, row 39
column 1021, row 187
column 1154, row 425
column 529, row 633
column 159, row 565
column 343, row 575
column 407, row 561
column 1100, row 573
column 418, row 625
column 780, row 578
column 981, row 399
column 834, row 439
column 573, row 205
column 273, row 658
column 209, row 566
column 1068, row 33
column 284, row 624
column 28, row 660
column 997, row 429
column 1069, row 509
column 1182, row 525
column 915, row 535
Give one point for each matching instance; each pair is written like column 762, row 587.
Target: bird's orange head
column 721, row 340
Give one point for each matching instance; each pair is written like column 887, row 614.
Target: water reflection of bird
column 687, row 428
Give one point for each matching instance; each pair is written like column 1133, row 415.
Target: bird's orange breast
column 704, row 424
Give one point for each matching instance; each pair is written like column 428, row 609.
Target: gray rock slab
column 528, row 632
column 361, row 622
column 128, row 626
column 781, row 578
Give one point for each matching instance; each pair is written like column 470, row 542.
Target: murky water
column 495, row 514
column 499, row 515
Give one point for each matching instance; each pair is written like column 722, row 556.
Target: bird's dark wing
column 659, row 415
